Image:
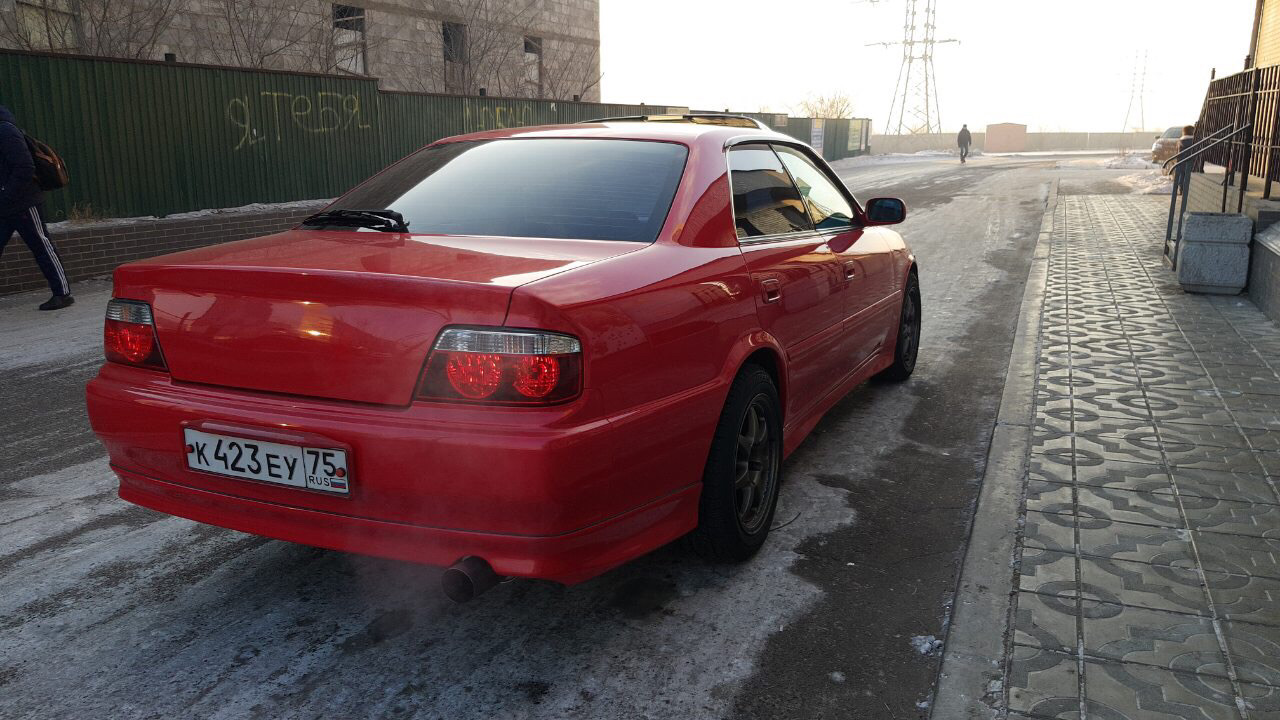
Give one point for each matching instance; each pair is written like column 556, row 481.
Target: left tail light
column 129, row 335
column 503, row 367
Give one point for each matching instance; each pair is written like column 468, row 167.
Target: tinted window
column 764, row 200
column 1173, row 133
column 827, row 204
column 554, row 188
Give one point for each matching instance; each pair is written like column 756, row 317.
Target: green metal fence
column 144, row 138
column 149, row 138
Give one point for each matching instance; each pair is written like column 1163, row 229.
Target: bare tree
column 343, row 45
column 835, row 105
column 573, row 73
column 126, row 28
column 268, row 33
column 109, row 28
column 487, row 46
column 484, row 45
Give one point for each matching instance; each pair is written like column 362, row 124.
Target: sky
column 1053, row 65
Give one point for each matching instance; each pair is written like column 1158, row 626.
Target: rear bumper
column 568, row 559
column 553, row 494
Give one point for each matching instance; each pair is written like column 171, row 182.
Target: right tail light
column 129, row 335
column 503, row 367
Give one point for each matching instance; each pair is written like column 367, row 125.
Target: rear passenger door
column 796, row 277
column 863, row 254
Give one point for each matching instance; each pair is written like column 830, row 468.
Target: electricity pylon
column 1138, row 91
column 914, row 110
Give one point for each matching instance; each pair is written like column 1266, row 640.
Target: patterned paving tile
column 1215, row 435
column 1126, row 691
column 1043, row 683
column 1174, row 641
column 1228, row 516
column 1242, row 597
column 1137, row 543
column 1049, row 531
column 1046, row 621
column 1239, row 554
column 1225, row 459
column 1158, row 587
column 1048, row 572
column 1255, row 650
column 1225, row 485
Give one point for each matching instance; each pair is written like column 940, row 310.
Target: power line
column 914, row 109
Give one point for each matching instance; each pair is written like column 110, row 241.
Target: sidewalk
column 1146, row 579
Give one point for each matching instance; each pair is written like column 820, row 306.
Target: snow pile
column 1151, row 182
column 926, row 644
column 1130, row 161
column 194, row 214
column 868, row 160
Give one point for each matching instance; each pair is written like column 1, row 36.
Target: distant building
column 1264, row 47
column 1005, row 137
column 515, row 48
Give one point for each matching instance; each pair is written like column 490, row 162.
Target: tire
column 744, row 466
column 907, row 345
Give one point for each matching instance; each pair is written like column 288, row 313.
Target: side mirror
column 885, row 211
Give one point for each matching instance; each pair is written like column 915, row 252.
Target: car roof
column 687, row 133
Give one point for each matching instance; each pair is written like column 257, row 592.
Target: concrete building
column 1006, row 137
column 1264, row 48
column 516, row 48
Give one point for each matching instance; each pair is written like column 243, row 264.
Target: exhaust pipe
column 467, row 578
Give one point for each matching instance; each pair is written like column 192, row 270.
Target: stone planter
column 1213, row 254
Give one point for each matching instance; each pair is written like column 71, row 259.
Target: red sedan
column 536, row 352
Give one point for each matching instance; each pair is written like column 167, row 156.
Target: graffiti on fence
column 496, row 117
column 276, row 115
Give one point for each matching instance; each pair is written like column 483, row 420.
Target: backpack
column 51, row 172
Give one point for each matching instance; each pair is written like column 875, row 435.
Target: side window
column 828, row 205
column 765, row 202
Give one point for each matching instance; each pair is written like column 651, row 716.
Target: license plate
column 323, row 469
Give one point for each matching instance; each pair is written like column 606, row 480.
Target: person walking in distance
column 20, row 203
column 964, row 140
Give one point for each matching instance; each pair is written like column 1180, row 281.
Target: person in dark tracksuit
column 964, row 140
column 20, row 202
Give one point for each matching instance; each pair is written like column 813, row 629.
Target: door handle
column 850, row 269
column 772, row 290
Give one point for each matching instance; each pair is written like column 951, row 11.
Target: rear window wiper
column 384, row 220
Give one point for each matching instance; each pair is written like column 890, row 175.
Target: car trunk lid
column 339, row 315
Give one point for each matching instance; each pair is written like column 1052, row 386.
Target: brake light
column 521, row 367
column 129, row 336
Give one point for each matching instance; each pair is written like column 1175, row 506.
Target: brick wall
column 94, row 249
column 1205, row 195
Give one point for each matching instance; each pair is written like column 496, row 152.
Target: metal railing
column 1192, row 158
column 1251, row 97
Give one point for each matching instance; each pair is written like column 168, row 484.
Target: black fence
column 1247, row 106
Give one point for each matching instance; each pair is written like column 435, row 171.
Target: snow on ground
column 1148, row 182
column 926, row 644
column 869, row 160
column 1131, row 161
column 1043, row 153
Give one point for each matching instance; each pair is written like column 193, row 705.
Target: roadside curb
column 970, row 680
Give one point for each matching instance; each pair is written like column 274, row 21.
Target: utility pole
column 914, row 110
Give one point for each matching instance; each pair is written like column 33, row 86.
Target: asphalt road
column 109, row 610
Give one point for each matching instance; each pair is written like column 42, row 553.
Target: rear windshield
column 546, row 187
